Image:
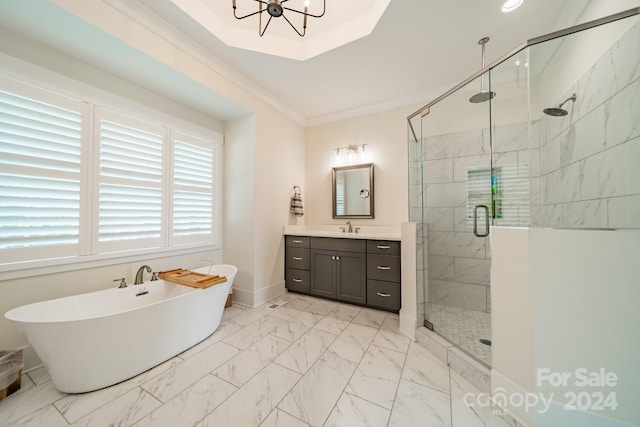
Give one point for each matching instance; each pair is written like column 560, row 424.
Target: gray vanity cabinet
column 297, row 263
column 358, row 271
column 339, row 269
column 383, row 274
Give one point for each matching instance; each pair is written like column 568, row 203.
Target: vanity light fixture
column 511, row 5
column 350, row 153
column 275, row 9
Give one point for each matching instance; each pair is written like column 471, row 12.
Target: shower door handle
column 486, row 220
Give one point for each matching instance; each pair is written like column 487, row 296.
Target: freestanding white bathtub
column 94, row 340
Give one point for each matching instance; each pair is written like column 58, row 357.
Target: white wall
column 386, row 136
column 239, row 203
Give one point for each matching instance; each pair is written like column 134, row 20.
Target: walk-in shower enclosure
column 505, row 163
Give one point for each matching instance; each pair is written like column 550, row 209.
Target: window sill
column 60, row 265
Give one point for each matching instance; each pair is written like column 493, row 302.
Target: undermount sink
column 380, row 232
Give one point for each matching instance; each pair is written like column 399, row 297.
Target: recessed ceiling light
column 511, row 5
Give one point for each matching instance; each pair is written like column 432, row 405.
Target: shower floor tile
column 462, row 327
column 330, row 365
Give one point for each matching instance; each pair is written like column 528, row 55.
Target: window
column 193, row 189
column 505, row 192
column 130, row 183
column 87, row 190
column 40, row 173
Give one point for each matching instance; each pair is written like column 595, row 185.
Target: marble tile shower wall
column 458, row 263
column 589, row 159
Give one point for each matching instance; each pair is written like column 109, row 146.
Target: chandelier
column 276, row 9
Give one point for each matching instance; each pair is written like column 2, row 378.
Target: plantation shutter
column 130, row 183
column 194, row 172
column 512, row 200
column 40, row 170
column 478, row 192
column 510, row 205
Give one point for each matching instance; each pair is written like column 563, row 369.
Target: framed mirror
column 352, row 189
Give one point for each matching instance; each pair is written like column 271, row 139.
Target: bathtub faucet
column 139, row 274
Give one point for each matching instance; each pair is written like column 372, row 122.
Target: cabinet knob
column 380, row 294
column 297, row 241
column 383, row 247
column 333, row 257
column 297, row 280
column 383, row 267
column 297, row 258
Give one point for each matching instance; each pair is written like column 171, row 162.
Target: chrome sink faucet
column 139, row 274
column 350, row 229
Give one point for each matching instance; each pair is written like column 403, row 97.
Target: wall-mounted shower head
column 559, row 111
column 483, row 95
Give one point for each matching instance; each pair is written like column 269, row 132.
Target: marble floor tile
column 299, row 304
column 285, row 312
column 20, row 404
column 39, row 376
column 313, row 397
column 352, row 411
column 224, row 330
column 182, row 375
column 255, row 400
column 370, row 317
column 75, row 406
column 191, row 405
column 332, row 325
column 463, row 414
column 352, row 343
column 297, row 326
column 48, row 416
column 389, row 336
column 230, row 312
column 321, row 307
column 423, row 367
column 345, row 312
column 303, row 353
column 123, row 411
column 279, row 418
column 420, row 406
column 253, row 332
column 250, row 315
column 377, row 376
column 239, row 369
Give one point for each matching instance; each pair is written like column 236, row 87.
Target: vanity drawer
column 383, row 267
column 297, row 241
column 383, row 247
column 331, row 244
column 383, row 295
column 298, row 258
column 297, row 280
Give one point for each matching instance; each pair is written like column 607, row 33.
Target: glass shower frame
column 516, row 187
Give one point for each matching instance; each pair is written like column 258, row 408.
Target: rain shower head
column 482, row 96
column 559, row 111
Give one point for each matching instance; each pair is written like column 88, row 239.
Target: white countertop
column 374, row 232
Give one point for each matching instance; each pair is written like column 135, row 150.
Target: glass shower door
column 457, row 206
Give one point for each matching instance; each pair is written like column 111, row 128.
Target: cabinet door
column 352, row 277
column 323, row 273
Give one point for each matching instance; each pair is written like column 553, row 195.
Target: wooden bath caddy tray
column 191, row 278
